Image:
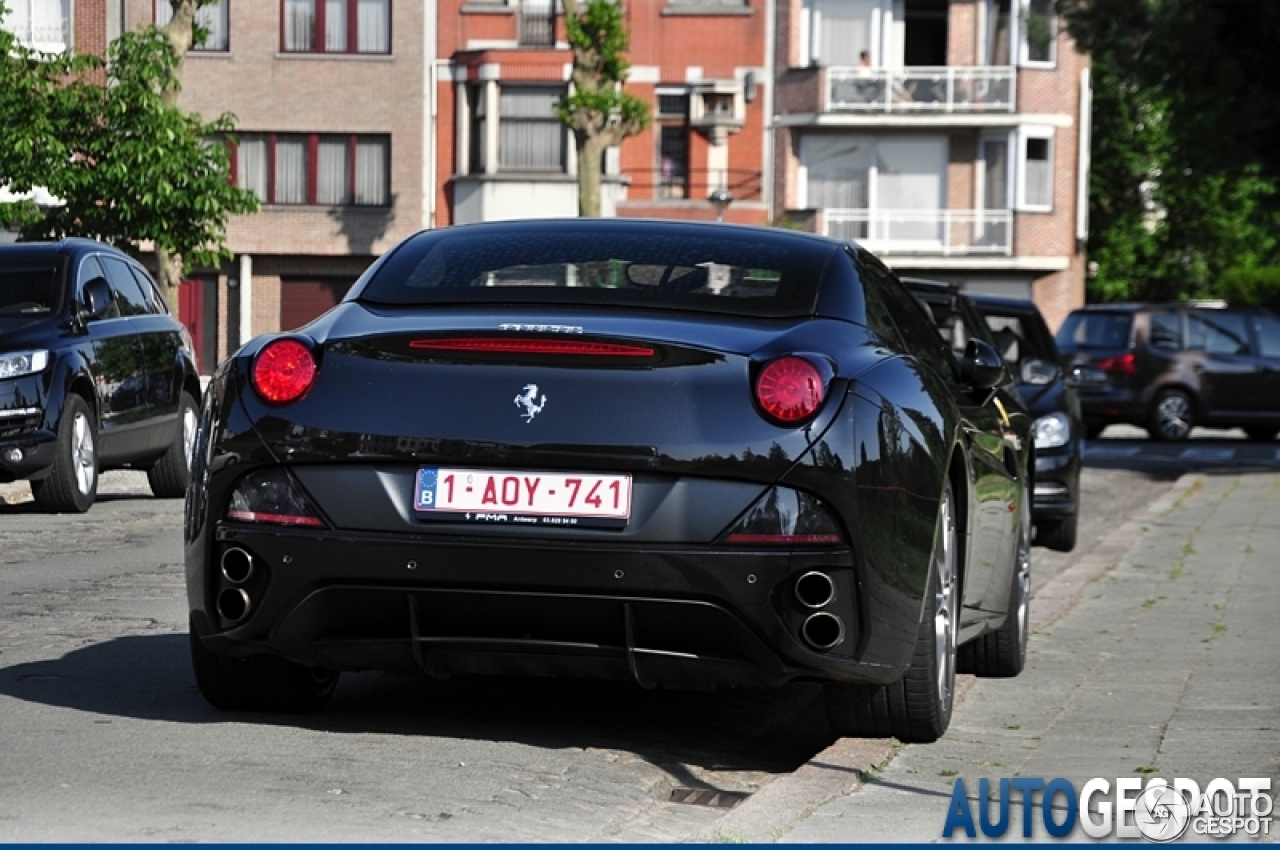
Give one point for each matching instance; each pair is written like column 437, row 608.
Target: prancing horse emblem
column 529, row 403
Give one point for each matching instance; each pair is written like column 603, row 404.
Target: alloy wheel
column 188, row 433
column 1173, row 417
column 945, row 618
column 83, row 454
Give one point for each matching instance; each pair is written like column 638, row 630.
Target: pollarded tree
column 129, row 166
column 597, row 110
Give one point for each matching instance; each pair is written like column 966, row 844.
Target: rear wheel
column 259, row 682
column 1172, row 416
column 917, row 707
column 72, row 486
column 168, row 477
column 1262, row 433
column 1003, row 653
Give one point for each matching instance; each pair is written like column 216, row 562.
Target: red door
column 191, row 313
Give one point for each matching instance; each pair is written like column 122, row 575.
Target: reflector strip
column 783, row 539
column 276, row 519
column 504, row 345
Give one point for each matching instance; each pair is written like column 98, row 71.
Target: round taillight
column 789, row 389
column 284, row 371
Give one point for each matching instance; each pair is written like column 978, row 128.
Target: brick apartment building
column 951, row 150
column 701, row 65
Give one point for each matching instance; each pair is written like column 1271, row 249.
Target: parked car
column 1035, row 384
column 1024, row 340
column 679, row 454
column 1170, row 367
column 95, row 374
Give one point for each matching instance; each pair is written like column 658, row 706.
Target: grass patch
column 948, row 772
column 1146, row 768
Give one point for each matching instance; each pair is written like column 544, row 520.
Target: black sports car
column 95, row 374
column 680, row 454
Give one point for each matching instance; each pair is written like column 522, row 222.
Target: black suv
column 1024, row 340
column 95, row 374
column 1170, row 367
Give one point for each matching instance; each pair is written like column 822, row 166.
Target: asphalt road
column 107, row 739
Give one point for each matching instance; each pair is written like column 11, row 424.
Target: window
column 673, row 145
column 326, row 170
column 129, row 296
column 839, row 30
column 1217, row 333
column 537, row 23
column 336, row 26
column 212, row 19
column 1267, row 327
column 40, row 24
column 1039, row 32
column 530, row 135
column 1166, row 331
column 91, row 270
column 1035, row 168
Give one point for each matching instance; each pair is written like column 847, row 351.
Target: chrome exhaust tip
column 233, row 604
column 237, row 565
column 823, row 631
column 815, row 589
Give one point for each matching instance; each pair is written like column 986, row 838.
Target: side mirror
column 97, row 298
column 982, row 366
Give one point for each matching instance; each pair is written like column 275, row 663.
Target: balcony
column 959, row 89
column 942, row 233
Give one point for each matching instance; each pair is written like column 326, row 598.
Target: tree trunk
column 590, row 151
column 169, row 266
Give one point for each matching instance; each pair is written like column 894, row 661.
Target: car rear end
column 1098, row 356
column 462, row 479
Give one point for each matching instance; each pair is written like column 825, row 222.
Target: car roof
column 1001, row 302
column 66, row 246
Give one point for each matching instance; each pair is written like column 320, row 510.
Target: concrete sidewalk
column 1151, row 661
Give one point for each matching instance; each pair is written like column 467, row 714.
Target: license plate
column 552, row 498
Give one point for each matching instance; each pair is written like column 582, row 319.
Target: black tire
column 72, row 486
column 168, row 476
column 1093, row 430
column 1262, row 433
column 1058, row 534
column 1173, row 415
column 259, row 682
column 916, row 708
column 1002, row 654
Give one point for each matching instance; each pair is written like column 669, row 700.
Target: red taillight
column 1125, row 364
column 785, row 517
column 283, row 371
column 272, row 496
column 507, row 345
column 790, row 389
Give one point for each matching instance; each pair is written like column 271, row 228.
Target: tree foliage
column 597, row 110
column 1179, row 193
column 130, row 167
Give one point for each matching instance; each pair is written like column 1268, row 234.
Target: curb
column 838, row 770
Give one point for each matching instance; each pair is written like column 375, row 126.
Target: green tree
column 1169, row 214
column 597, row 110
column 106, row 137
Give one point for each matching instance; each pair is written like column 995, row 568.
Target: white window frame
column 215, row 17
column 881, row 24
column 1024, row 47
column 1010, row 179
column 14, row 17
column 1025, row 135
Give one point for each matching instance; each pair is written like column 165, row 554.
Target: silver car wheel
column 83, row 454
column 945, row 616
column 1173, row 417
column 189, row 424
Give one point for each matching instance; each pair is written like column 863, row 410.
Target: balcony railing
column 919, row 89
column 946, row 233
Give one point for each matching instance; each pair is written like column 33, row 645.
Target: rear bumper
column 677, row 616
column 1111, row 405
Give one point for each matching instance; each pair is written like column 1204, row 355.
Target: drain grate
column 707, row 797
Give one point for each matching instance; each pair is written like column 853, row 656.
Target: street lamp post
column 720, row 199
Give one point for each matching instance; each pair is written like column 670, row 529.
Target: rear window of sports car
column 648, row 270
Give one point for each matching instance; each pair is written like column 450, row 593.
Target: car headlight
column 23, row 363
column 1052, row 431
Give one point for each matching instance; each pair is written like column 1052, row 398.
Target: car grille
column 14, row 423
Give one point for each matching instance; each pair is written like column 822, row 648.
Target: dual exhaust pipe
column 821, row 630
column 233, row 603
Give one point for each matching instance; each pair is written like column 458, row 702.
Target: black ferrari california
column 684, row 455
